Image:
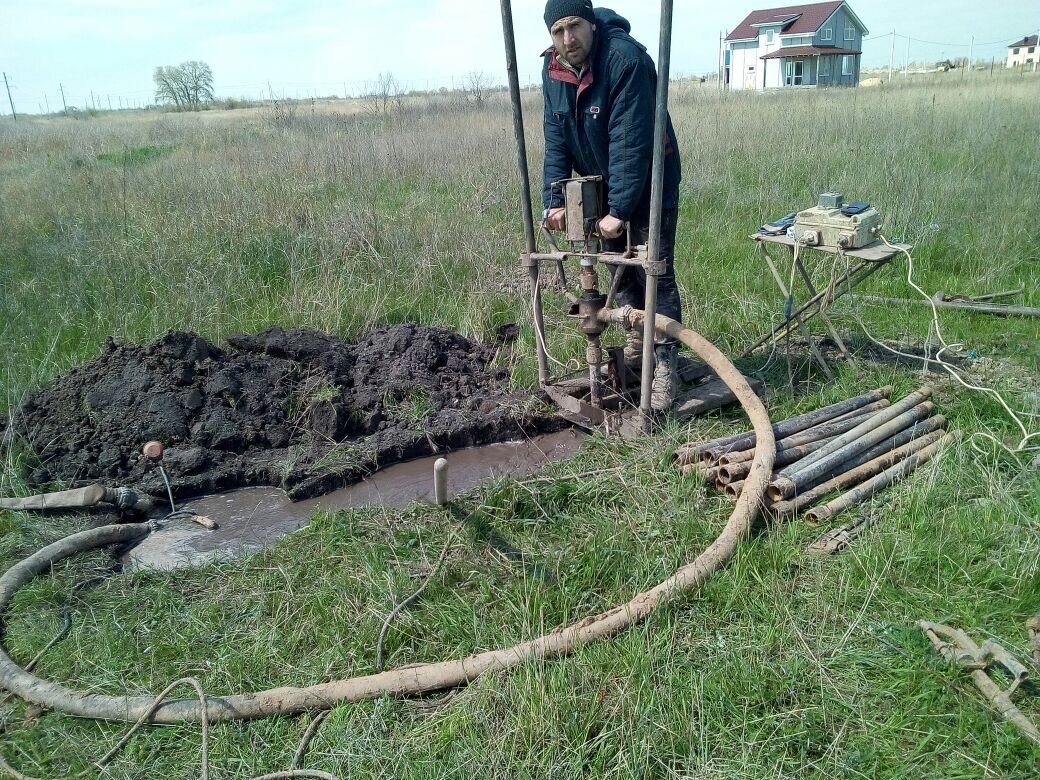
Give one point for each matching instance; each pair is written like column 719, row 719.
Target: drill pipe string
column 419, row 678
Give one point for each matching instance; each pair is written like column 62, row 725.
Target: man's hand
column 611, row 227
column 556, row 219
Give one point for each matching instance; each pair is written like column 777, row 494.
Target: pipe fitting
column 589, row 307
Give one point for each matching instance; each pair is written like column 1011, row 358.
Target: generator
column 837, row 225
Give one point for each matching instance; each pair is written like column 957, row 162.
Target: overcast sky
column 318, row 47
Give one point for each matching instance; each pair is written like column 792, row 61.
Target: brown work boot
column 665, row 387
column 634, row 348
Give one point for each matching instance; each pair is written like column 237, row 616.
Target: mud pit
column 295, row 409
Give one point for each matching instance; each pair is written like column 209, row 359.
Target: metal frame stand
column 651, row 263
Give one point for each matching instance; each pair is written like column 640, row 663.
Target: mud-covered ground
column 297, row 409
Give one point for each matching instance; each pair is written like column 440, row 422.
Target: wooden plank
column 709, row 397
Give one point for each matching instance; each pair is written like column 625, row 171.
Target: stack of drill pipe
column 887, row 476
column 932, row 424
column 709, row 453
column 833, row 458
column 853, row 449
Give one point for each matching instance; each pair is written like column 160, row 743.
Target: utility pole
column 64, row 107
column 906, row 62
column 9, row 98
column 93, row 102
column 891, row 56
column 971, row 52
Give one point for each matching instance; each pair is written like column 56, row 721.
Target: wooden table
column 861, row 264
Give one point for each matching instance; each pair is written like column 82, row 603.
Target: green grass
column 783, row 665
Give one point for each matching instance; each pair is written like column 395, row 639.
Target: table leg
column 801, row 324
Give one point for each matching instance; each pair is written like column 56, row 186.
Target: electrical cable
column 1023, row 445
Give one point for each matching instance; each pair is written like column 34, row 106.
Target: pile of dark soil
column 297, row 409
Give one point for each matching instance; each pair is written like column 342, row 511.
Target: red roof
column 807, row 51
column 809, row 19
column 1029, row 40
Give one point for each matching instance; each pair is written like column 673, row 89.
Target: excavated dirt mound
column 297, row 409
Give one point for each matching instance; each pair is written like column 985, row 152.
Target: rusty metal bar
column 940, row 302
column 958, row 648
column 656, row 204
column 887, row 477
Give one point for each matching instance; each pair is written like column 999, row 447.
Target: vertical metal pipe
column 656, row 203
column 525, row 186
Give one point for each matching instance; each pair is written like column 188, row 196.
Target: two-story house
column 1023, row 52
column 815, row 45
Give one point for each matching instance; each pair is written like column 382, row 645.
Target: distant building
column 1023, row 52
column 817, row 45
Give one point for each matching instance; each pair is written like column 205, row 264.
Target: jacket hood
column 610, row 22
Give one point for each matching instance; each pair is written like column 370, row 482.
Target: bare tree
column 385, row 94
column 187, row 86
column 478, row 86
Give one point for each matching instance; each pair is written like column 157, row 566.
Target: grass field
column 784, row 665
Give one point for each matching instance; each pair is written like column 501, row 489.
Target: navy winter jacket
column 603, row 123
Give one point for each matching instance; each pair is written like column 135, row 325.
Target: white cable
column 540, row 336
column 1026, row 435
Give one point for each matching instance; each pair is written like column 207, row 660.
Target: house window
column 827, row 34
column 1017, row 51
column 850, row 33
column 825, row 66
column 1032, row 49
column 769, row 36
column 846, row 65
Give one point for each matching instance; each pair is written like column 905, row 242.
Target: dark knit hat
column 558, row 9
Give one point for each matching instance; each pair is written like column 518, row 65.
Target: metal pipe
column 938, row 422
column 854, row 475
column 880, row 418
column 827, row 430
column 887, row 477
column 525, row 186
column 785, row 486
column 997, row 309
column 715, row 449
column 656, row 204
column 733, row 472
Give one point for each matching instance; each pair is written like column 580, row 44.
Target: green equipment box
column 826, row 226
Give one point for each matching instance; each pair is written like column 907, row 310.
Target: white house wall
column 744, row 68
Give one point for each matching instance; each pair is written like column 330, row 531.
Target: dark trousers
column 632, row 289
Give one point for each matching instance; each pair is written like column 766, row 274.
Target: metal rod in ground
column 854, row 475
column 785, row 486
column 905, row 436
column 887, row 477
column 881, row 418
column 827, row 430
column 792, row 425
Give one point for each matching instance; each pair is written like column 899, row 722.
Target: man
column 600, row 91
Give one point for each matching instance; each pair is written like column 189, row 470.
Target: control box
column 825, row 225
